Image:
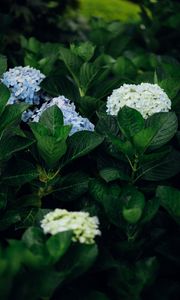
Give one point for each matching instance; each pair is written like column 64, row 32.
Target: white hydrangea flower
column 84, row 227
column 71, row 117
column 147, row 98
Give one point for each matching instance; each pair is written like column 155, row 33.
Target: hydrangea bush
column 89, row 186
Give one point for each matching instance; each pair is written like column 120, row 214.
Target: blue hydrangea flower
column 23, row 83
column 71, row 117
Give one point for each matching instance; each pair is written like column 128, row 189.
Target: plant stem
column 134, row 168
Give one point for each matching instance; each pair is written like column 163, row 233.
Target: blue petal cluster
column 71, row 117
column 23, row 83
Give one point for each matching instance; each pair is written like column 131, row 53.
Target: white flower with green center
column 84, row 227
column 147, row 98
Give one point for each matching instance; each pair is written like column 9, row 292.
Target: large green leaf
column 72, row 62
column 143, row 139
column 78, row 260
column 33, row 237
column 4, row 96
column 109, row 196
column 123, row 67
column 11, row 114
column 111, row 174
column 171, row 86
column 134, row 205
column 71, row 186
column 56, row 85
column 128, row 280
column 106, row 84
column 88, row 105
column 58, row 244
column 9, row 218
column 162, row 169
column 19, row 172
column 107, row 125
column 130, row 121
column 88, row 72
column 10, row 145
column 125, row 147
column 85, row 50
column 51, row 148
column 170, row 200
column 164, row 126
column 52, row 118
column 80, row 144
column 150, row 210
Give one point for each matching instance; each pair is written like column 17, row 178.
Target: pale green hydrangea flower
column 84, row 227
column 147, row 98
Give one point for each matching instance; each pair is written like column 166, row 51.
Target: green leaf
column 88, row 105
column 4, row 96
column 107, row 125
column 3, row 64
column 30, row 200
column 170, row 200
column 150, row 210
column 129, row 280
column 171, row 86
column 134, row 206
column 58, row 244
column 58, row 85
column 123, row 67
column 98, row 189
column 106, row 84
column 165, row 126
column 33, row 237
column 28, row 216
column 143, row 139
column 88, row 72
column 19, row 173
column 111, row 174
column 71, row 186
column 80, row 144
column 165, row 168
column 146, row 269
column 11, row 145
column 109, row 196
column 52, row 118
column 11, row 114
column 130, row 121
column 51, row 148
column 123, row 146
column 78, row 260
column 72, row 62
column 9, row 218
column 84, row 50
column 156, row 155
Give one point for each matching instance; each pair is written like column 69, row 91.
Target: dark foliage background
column 138, row 204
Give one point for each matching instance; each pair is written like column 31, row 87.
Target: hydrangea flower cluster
column 71, row 117
column 147, row 98
column 84, row 227
column 23, row 83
